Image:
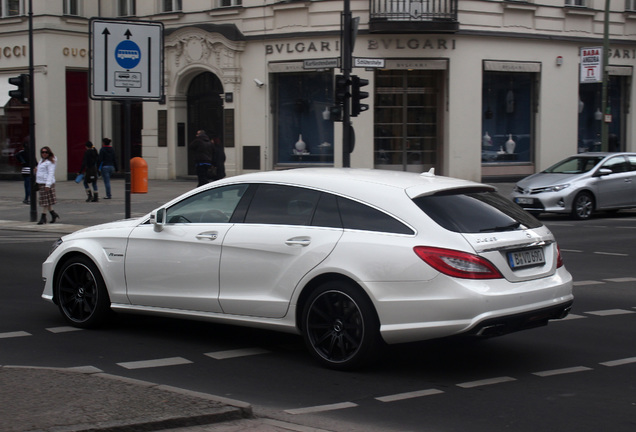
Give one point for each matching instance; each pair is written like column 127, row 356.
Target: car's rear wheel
column 340, row 326
column 81, row 293
column 583, row 206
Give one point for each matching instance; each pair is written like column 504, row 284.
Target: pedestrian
column 89, row 165
column 202, row 149
column 45, row 180
column 24, row 158
column 218, row 157
column 107, row 164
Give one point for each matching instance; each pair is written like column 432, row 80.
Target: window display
column 304, row 130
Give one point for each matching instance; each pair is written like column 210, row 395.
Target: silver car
column 580, row 185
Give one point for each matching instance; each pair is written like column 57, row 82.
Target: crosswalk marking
column 222, row 355
column 485, row 382
column 563, row 371
column 172, row 361
column 14, row 334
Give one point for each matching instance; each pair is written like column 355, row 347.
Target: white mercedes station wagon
column 349, row 258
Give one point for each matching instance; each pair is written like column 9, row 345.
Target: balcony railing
column 413, row 16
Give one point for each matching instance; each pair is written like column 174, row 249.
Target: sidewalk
column 75, row 213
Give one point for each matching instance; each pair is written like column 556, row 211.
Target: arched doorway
column 205, row 109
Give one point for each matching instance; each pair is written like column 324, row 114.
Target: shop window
column 406, row 119
column 507, row 117
column 630, row 5
column 72, row 7
column 591, row 116
column 9, row 8
column 14, row 129
column 303, row 128
column 127, row 8
column 579, row 3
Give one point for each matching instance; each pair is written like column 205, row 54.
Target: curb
column 219, row 410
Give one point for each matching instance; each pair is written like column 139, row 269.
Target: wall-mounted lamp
column 259, row 83
column 559, row 60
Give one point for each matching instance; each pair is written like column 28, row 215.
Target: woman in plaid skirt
column 45, row 179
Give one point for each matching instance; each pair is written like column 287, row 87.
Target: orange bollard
column 138, row 175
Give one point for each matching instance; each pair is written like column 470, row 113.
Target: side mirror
column 604, row 171
column 158, row 218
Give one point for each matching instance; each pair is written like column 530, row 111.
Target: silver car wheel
column 583, row 206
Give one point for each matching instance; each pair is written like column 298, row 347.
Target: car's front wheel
column 81, row 293
column 583, row 206
column 340, row 326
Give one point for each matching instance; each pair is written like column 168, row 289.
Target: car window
column 632, row 163
column 617, row 164
column 359, row 216
column 282, row 205
column 211, row 206
column 475, row 212
column 575, row 165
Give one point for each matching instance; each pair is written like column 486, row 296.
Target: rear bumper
column 512, row 323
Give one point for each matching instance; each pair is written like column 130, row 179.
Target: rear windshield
column 475, row 212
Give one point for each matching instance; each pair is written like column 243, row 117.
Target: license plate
column 526, row 258
column 524, row 200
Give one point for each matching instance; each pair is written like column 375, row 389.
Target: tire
column 81, row 293
column 340, row 326
column 583, row 206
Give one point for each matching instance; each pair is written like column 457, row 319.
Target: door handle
column 298, row 241
column 207, row 236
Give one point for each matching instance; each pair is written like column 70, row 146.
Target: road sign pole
column 127, row 154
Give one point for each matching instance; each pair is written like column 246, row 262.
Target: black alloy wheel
column 81, row 293
column 340, row 326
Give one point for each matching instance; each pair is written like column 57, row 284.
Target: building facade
column 477, row 89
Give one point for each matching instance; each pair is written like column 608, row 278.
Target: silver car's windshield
column 575, row 165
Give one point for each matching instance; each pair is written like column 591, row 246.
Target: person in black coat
column 89, row 163
column 202, row 150
column 107, row 164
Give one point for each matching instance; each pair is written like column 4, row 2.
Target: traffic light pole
column 32, row 143
column 346, row 61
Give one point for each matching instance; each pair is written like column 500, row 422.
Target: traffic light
column 340, row 97
column 22, row 93
column 357, row 95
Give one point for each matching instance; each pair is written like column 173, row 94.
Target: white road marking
column 588, row 282
column 14, row 334
column 612, row 254
column 562, row 371
column 172, row 361
column 619, row 362
column 409, row 395
column 63, row 329
column 572, row 250
column 625, row 279
column 485, row 382
column 222, row 355
column 322, row 408
column 569, row 317
column 610, row 312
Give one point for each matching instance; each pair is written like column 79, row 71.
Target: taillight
column 559, row 257
column 458, row 264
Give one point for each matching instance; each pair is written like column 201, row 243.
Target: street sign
column 368, row 62
column 326, row 63
column 126, row 59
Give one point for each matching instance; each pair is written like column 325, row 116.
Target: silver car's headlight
column 555, row 188
column 55, row 245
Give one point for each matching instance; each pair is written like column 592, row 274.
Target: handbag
column 79, row 178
